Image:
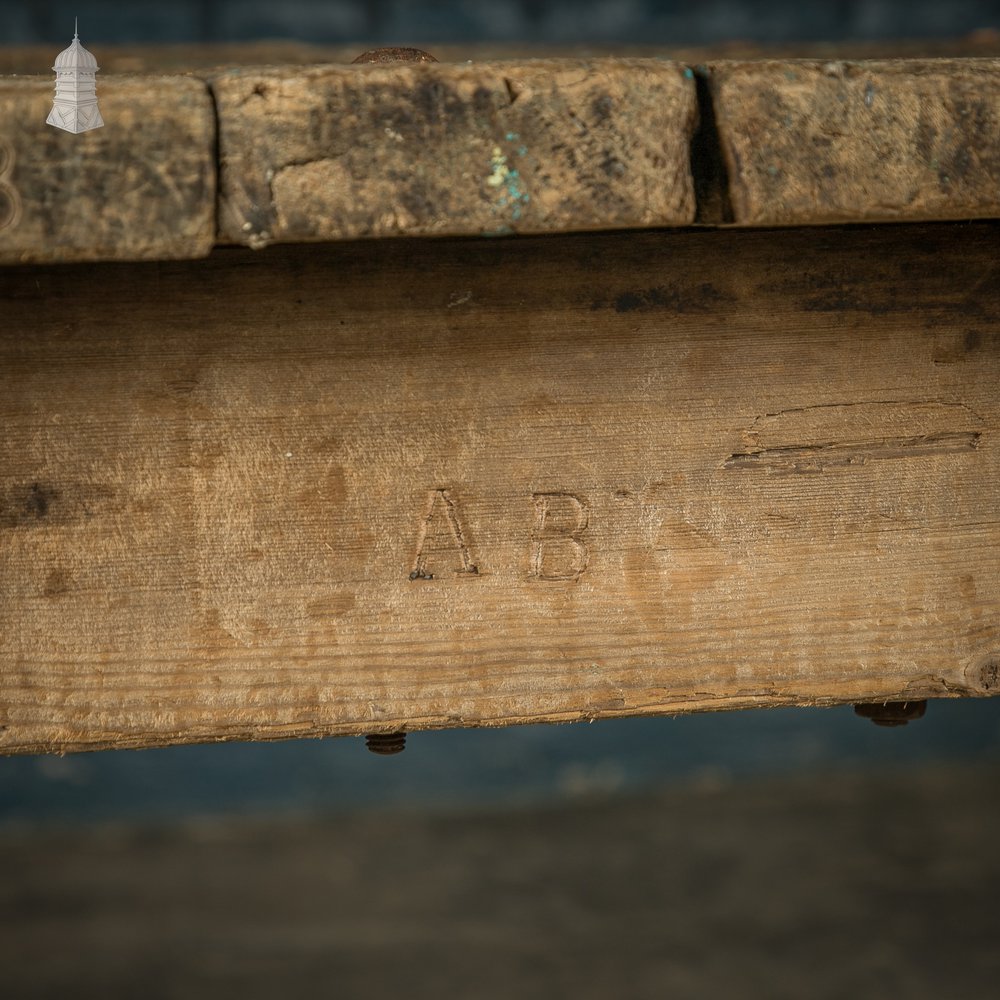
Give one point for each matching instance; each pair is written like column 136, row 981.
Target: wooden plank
column 822, row 142
column 141, row 187
column 434, row 149
column 339, row 152
column 353, row 487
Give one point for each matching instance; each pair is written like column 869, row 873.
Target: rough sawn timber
column 333, row 152
column 210, row 58
column 407, row 484
column 810, row 142
column 339, row 152
column 142, row 187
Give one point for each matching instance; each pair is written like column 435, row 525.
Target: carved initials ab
column 557, row 548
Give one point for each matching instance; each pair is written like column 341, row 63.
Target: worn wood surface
column 343, row 488
column 316, row 153
column 430, row 149
column 185, row 58
column 141, row 187
column 820, row 142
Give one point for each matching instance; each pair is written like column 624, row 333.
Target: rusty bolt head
column 395, row 54
column 892, row 713
column 386, row 744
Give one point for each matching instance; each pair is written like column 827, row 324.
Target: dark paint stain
column 422, row 200
column 601, row 108
column 436, row 102
column 702, row 298
column 953, row 347
column 925, row 138
column 430, row 105
column 843, row 301
column 484, row 101
column 960, row 162
column 38, row 500
column 611, row 165
column 56, row 583
column 40, row 504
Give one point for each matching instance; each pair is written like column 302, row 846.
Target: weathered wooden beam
column 821, row 142
column 406, row 484
column 141, row 187
column 339, row 152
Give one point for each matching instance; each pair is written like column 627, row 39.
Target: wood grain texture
column 821, row 142
column 142, row 187
column 187, row 58
column 436, row 149
column 345, row 488
column 541, row 146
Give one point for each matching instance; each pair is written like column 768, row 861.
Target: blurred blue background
column 658, row 22
column 468, row 768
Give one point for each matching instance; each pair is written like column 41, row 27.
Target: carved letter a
column 441, row 542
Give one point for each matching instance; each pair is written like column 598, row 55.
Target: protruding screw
column 386, row 744
column 892, row 713
column 395, row 54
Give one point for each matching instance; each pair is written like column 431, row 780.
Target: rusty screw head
column 386, row 744
column 395, row 54
column 892, row 713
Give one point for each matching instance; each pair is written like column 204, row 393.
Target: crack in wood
column 818, row 457
column 811, row 439
column 709, row 173
column 42, row 504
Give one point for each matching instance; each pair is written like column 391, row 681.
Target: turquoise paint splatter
column 688, row 73
column 510, row 187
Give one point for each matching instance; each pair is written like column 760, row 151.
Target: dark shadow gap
column 708, row 168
